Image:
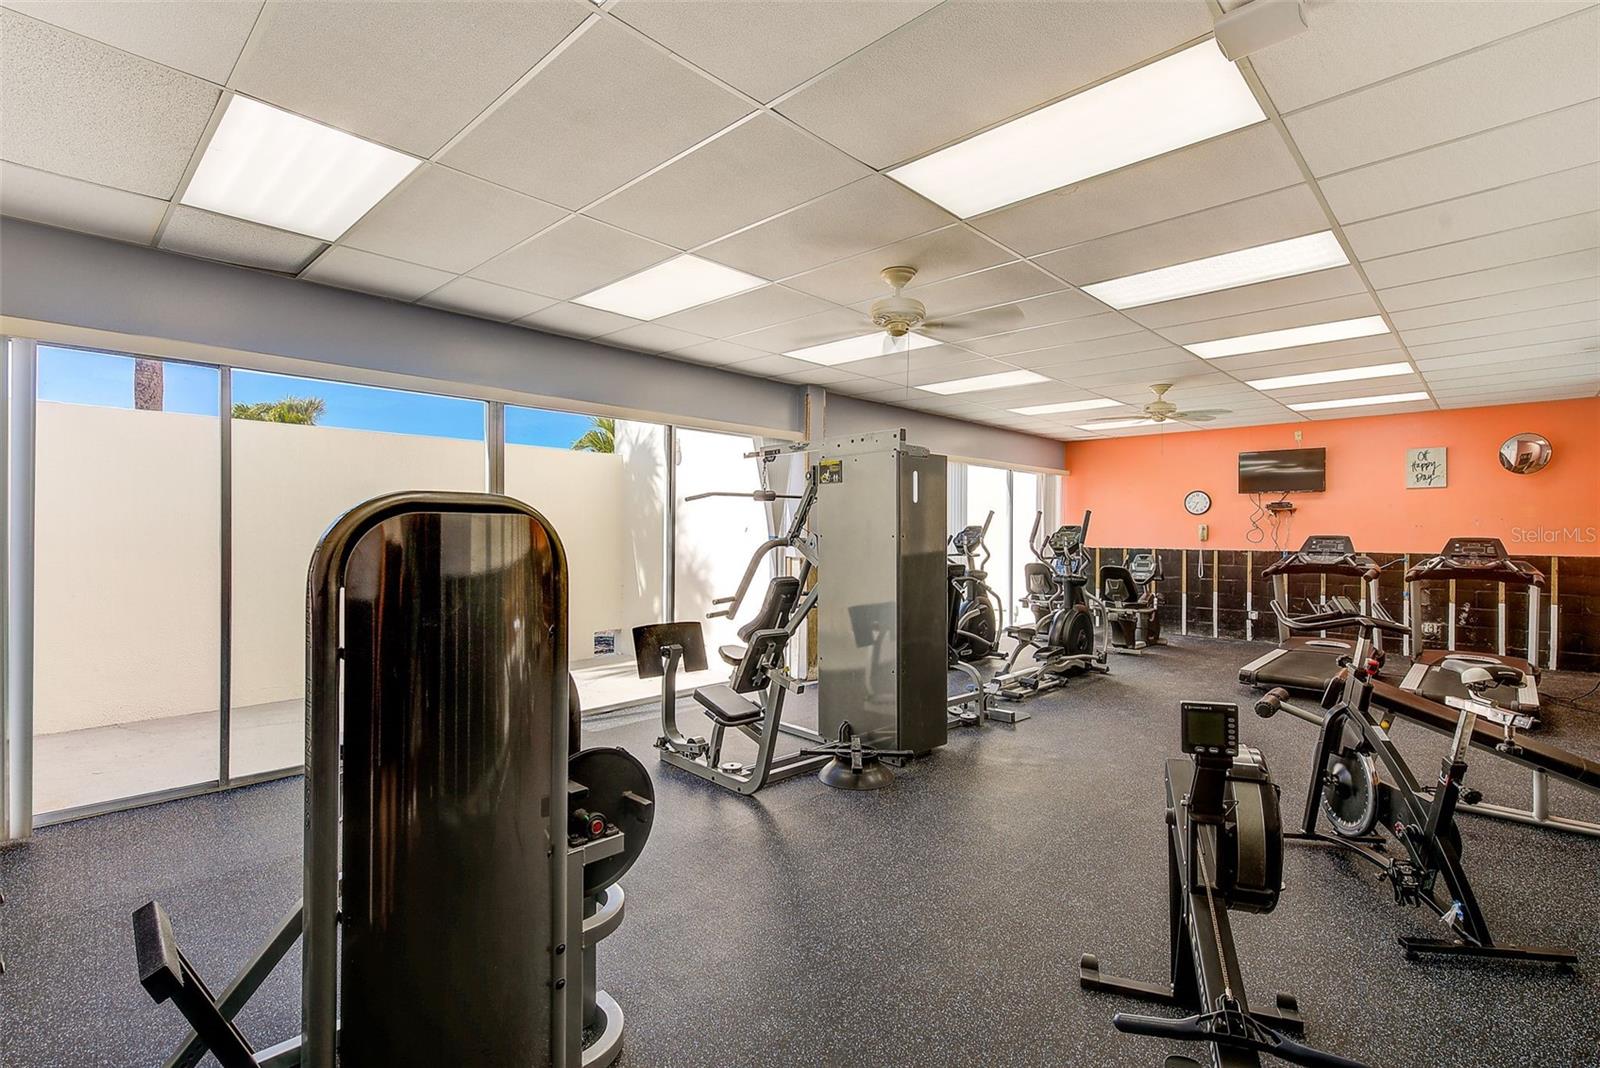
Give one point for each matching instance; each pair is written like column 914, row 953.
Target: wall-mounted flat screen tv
column 1283, row 471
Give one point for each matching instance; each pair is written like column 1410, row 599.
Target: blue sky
column 78, row 377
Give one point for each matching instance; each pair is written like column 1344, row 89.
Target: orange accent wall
column 1136, row 485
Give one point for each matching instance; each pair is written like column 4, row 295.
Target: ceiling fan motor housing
column 898, row 315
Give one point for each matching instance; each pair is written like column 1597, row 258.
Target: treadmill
column 1307, row 663
column 1436, row 673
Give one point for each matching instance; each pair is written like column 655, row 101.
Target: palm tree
column 304, row 411
column 149, row 385
column 600, row 437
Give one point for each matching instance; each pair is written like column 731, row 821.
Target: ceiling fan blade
column 976, row 323
column 1200, row 415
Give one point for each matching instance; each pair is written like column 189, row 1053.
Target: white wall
column 127, row 505
column 126, row 619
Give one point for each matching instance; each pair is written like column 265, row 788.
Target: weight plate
column 1350, row 794
column 612, row 775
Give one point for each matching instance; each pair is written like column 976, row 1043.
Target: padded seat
column 726, row 707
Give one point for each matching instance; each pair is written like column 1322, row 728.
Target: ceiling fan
column 898, row 315
column 1162, row 410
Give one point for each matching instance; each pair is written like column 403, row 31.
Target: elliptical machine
column 1224, row 851
column 1067, row 617
column 1349, row 789
column 975, row 610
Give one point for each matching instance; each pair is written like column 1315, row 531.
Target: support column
column 16, row 728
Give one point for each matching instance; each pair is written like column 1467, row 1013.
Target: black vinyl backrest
column 1040, row 579
column 1116, row 585
column 782, row 593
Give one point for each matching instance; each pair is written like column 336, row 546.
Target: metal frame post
column 224, row 574
column 669, row 527
column 494, row 446
column 16, row 732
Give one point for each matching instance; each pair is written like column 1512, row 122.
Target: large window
column 305, row 451
column 1015, row 499
column 602, row 484
column 126, row 612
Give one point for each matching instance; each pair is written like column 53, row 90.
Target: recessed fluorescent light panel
column 271, row 167
column 1369, row 326
column 1122, row 424
column 1358, row 402
column 1068, row 406
column 983, row 382
column 1191, row 96
column 864, row 347
column 1322, row 378
column 679, row 283
column 1280, row 259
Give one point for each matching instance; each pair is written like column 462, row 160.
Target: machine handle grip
column 1184, row 1030
column 1288, row 1049
column 1270, row 703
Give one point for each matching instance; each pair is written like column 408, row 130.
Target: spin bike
column 1224, row 851
column 1062, row 639
column 1359, row 782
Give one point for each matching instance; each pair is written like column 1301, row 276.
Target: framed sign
column 1425, row 468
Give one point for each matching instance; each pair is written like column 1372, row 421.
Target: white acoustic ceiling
column 1451, row 146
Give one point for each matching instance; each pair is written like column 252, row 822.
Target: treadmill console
column 1474, row 552
column 1327, row 547
column 1209, row 728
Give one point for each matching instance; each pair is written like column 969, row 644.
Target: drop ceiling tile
column 651, row 337
column 1554, row 142
column 219, row 237
column 863, row 215
column 572, row 258
column 771, row 366
column 605, row 110
column 473, row 296
column 1263, row 296
column 1121, row 345
column 1370, row 409
column 765, row 48
column 1408, row 383
column 1276, row 216
column 815, row 375
column 82, row 109
column 1460, row 96
column 1233, row 167
column 757, row 169
column 1353, row 45
column 1579, row 290
column 575, row 320
column 1540, row 272
column 1578, row 350
column 1005, row 284
column 1582, row 330
column 1497, row 396
column 1332, row 310
column 1303, row 359
column 74, row 205
column 830, row 325
column 1550, row 196
column 936, row 255
column 1571, row 234
column 1024, row 314
column 896, row 365
column 199, row 37
column 1131, row 384
column 1087, row 328
column 442, row 218
column 1495, row 325
column 744, row 312
column 423, row 70
column 350, row 268
column 1527, row 373
column 718, row 353
column 875, row 105
column 950, row 372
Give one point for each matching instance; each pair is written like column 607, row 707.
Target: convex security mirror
column 1523, row 454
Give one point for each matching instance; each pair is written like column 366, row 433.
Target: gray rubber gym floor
column 937, row 922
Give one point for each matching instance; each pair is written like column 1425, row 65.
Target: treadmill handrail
column 1337, row 620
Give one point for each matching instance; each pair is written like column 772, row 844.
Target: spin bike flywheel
column 1350, row 791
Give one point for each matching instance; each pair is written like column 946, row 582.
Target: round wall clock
column 1197, row 503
